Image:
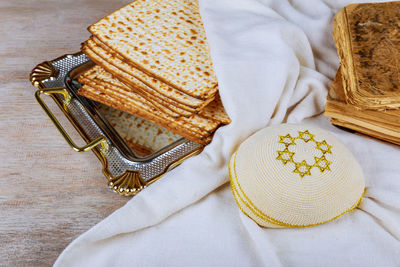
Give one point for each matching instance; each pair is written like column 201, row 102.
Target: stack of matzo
column 153, row 61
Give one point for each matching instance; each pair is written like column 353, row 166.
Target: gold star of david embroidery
column 324, row 147
column 306, row 136
column 322, row 163
column 303, row 168
column 287, row 140
column 285, row 156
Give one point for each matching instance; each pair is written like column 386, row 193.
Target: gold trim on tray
column 43, row 71
column 130, row 182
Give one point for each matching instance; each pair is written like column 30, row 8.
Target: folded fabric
column 274, row 61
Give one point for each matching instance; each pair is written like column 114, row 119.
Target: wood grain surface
column 49, row 195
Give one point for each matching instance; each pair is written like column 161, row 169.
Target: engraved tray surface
column 127, row 169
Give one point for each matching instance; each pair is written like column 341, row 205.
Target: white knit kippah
column 295, row 176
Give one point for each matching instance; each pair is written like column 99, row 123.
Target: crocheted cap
column 295, row 176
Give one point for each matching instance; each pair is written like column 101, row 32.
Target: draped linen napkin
column 274, row 61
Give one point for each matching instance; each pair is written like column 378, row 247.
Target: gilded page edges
column 341, row 36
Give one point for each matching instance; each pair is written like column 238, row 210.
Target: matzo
column 134, row 131
column 132, row 82
column 110, row 101
column 99, row 74
column 120, row 69
column 122, row 97
column 198, row 121
column 214, row 111
column 164, row 91
column 93, row 91
column 166, row 122
column 165, row 39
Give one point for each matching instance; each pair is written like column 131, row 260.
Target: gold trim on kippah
column 257, row 212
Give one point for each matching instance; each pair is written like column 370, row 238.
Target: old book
column 367, row 37
column 384, row 125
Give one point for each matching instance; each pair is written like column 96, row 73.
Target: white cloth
column 274, row 61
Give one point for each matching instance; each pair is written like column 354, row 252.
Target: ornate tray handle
column 101, row 140
column 130, row 176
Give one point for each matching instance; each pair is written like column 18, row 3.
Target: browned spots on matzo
column 166, row 53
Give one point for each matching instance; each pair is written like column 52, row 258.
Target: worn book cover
column 367, row 37
column 384, row 125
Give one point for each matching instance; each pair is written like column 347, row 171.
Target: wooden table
column 49, row 195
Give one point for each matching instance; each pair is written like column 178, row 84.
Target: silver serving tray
column 127, row 170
